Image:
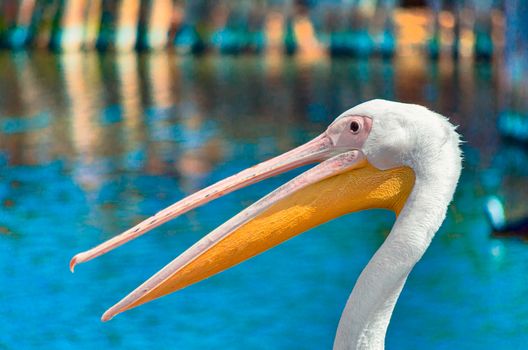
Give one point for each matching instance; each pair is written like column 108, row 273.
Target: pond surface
column 90, row 145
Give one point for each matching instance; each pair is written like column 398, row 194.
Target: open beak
column 341, row 184
column 316, row 150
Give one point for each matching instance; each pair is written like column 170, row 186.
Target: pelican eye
column 354, row 127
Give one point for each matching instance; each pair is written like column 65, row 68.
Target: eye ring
column 355, row 127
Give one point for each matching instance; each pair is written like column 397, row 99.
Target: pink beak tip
column 73, row 262
column 107, row 316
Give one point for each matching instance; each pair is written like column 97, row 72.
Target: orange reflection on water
column 165, row 114
column 126, row 65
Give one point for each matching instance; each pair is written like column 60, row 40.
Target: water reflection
column 163, row 114
column 91, row 144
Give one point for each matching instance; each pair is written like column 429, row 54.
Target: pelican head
column 379, row 154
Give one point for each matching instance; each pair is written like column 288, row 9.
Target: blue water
column 90, row 145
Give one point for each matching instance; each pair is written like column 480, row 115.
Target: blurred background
column 112, row 110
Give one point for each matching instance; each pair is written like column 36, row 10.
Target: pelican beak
column 318, row 149
column 341, row 184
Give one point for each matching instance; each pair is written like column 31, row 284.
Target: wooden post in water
column 71, row 32
column 45, row 14
column 8, row 14
column 92, row 23
column 127, row 25
column 158, row 24
column 20, row 33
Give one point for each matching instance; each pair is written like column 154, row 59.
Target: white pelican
column 379, row 154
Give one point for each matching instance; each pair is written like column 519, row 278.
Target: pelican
column 378, row 154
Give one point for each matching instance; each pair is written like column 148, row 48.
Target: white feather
column 411, row 135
